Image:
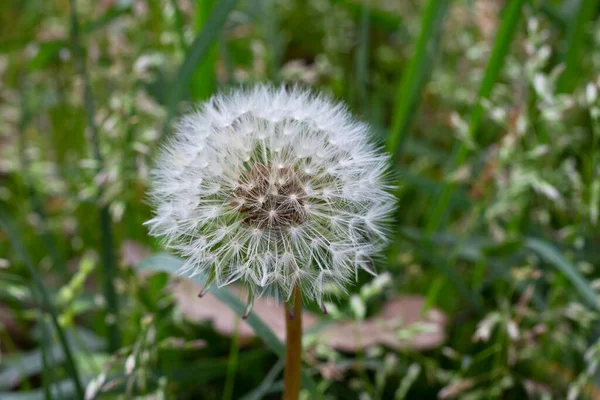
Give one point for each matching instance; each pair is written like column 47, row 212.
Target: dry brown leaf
column 132, row 253
column 400, row 313
column 209, row 308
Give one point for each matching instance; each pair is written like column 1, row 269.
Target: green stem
column 233, row 362
column 293, row 348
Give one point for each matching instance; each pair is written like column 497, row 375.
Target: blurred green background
column 489, row 108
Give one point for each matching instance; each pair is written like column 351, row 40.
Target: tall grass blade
column 46, row 378
column 275, row 41
column 552, row 256
column 264, row 387
column 107, row 245
column 416, row 74
column 426, row 250
column 553, row 15
column 46, row 302
column 171, row 264
column 576, row 33
column 232, row 362
column 506, row 33
column 362, row 61
column 205, row 78
column 196, row 53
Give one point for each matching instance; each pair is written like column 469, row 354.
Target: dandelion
column 280, row 190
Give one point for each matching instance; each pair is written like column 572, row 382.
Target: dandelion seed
column 274, row 188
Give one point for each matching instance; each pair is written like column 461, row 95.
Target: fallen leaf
column 397, row 316
column 209, row 308
column 400, row 326
column 132, row 253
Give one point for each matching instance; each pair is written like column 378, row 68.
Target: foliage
column 493, row 114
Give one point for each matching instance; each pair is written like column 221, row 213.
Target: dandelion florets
column 275, row 188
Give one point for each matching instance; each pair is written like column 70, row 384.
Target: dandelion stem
column 293, row 347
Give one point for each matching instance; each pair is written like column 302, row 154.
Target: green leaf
column 196, row 53
column 552, row 256
column 417, row 73
column 162, row 262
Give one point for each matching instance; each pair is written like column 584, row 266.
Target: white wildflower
column 129, row 364
column 274, row 188
column 591, row 93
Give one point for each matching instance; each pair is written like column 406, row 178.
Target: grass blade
column 576, row 31
column 166, row 263
column 46, row 301
column 196, row 53
column 553, row 15
column 556, row 259
column 205, row 78
column 46, row 378
column 275, row 41
column 232, row 363
column 388, row 21
column 417, row 73
column 108, row 252
column 362, row 62
column 426, row 250
column 506, row 33
column 266, row 384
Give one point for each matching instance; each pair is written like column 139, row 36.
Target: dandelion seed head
column 275, row 188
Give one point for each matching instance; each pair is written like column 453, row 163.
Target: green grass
column 482, row 106
column 195, row 58
column 44, row 302
column 107, row 245
column 417, row 73
column 504, row 38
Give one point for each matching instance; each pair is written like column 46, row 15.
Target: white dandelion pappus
column 275, row 188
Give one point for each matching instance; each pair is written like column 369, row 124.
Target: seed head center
column 270, row 197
